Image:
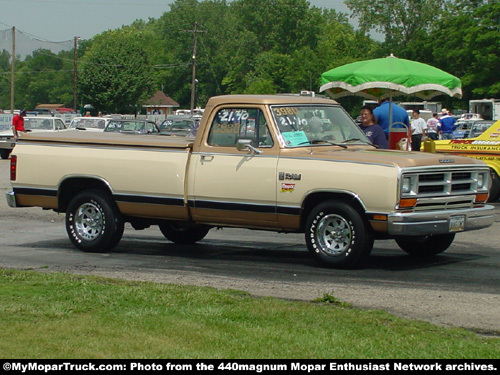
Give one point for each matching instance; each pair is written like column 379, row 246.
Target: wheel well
column 313, row 200
column 72, row 186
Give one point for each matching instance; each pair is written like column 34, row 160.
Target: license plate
column 457, row 223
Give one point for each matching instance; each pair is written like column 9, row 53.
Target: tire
column 183, row 233
column 93, row 222
column 425, row 246
column 4, row 154
column 495, row 187
column 337, row 235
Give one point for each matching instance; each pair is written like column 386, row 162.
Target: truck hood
column 390, row 158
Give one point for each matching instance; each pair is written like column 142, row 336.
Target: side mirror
column 246, row 144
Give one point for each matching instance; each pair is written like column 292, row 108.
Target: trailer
column 488, row 109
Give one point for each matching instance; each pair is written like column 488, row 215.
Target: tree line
column 260, row 46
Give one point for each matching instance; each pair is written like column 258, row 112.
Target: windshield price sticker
column 289, row 117
column 295, row 138
column 457, row 223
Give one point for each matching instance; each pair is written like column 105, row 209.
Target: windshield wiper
column 320, row 141
column 357, row 139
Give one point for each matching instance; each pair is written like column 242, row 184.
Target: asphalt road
column 460, row 287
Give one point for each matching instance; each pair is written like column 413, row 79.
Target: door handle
column 207, row 158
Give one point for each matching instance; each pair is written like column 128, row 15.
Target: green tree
column 470, row 51
column 117, row 75
column 400, row 21
column 44, row 77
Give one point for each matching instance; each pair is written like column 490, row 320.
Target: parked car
column 132, row 126
column 96, row 124
column 31, row 124
column 179, row 126
column 483, row 143
column 479, row 127
column 463, row 128
column 43, row 123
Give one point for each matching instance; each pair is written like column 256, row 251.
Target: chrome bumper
column 11, row 199
column 438, row 222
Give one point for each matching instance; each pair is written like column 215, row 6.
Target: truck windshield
column 305, row 125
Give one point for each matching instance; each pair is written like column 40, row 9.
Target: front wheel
column 337, row 235
column 93, row 222
column 425, row 246
column 495, row 187
column 183, row 233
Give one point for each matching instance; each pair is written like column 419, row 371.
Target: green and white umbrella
column 387, row 77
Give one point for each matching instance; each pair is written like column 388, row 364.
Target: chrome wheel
column 337, row 235
column 334, row 234
column 89, row 221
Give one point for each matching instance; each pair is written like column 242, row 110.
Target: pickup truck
column 256, row 162
column 485, row 146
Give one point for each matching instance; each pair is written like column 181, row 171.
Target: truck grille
column 444, row 189
column 446, row 183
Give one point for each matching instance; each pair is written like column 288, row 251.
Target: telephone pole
column 193, row 80
column 75, row 76
column 12, row 69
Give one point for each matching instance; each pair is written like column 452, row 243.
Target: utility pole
column 13, row 57
column 75, row 76
column 193, row 80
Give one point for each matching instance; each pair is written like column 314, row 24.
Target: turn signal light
column 407, row 203
column 481, row 198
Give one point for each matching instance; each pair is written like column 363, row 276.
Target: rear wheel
column 93, row 222
column 183, row 233
column 4, row 154
column 337, row 235
column 425, row 246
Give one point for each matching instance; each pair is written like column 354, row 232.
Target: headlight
column 406, row 185
column 480, row 181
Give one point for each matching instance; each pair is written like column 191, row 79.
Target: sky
column 63, row 20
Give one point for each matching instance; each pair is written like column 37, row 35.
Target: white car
column 31, row 124
column 94, row 124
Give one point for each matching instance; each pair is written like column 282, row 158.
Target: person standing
column 18, row 124
column 432, row 126
column 418, row 129
column 382, row 114
column 372, row 131
column 447, row 124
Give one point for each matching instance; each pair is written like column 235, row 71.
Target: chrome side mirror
column 246, row 144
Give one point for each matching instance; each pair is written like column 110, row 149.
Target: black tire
column 425, row 246
column 4, row 154
column 337, row 235
column 93, row 221
column 183, row 233
column 495, row 187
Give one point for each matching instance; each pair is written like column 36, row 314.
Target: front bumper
column 438, row 222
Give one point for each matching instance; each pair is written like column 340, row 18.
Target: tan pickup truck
column 283, row 163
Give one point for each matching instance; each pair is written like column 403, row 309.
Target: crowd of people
column 376, row 124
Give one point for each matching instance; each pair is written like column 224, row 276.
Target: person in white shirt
column 418, row 129
column 432, row 126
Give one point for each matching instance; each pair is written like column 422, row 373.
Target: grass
column 53, row 315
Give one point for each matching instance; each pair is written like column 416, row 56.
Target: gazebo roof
column 159, row 99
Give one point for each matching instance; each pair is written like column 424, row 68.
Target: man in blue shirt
column 399, row 115
column 447, row 124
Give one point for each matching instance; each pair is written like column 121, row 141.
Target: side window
column 60, row 125
column 231, row 124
